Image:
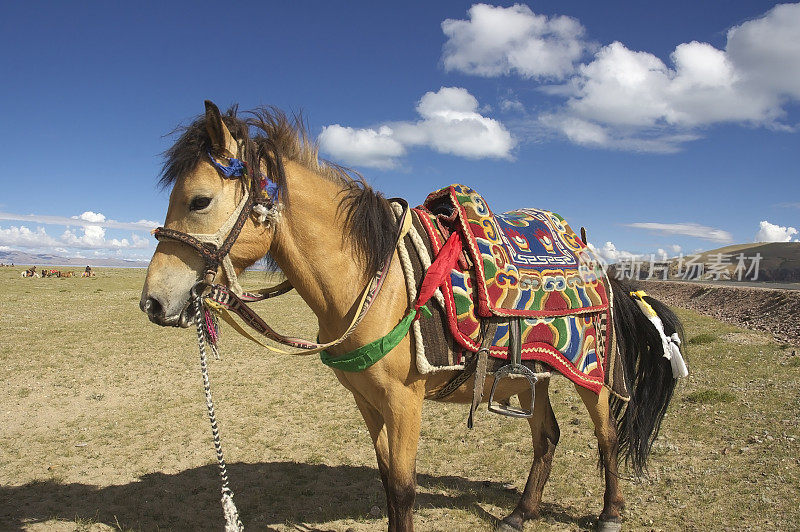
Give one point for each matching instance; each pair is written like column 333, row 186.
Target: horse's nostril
column 153, row 308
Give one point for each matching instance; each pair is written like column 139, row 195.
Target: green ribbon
column 365, row 356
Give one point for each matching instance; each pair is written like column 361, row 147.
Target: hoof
column 609, row 526
column 505, row 526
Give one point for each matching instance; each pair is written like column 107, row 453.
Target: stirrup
column 514, row 367
column 505, row 373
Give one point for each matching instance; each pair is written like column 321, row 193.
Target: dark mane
column 270, row 136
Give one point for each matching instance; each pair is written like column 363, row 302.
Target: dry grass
column 104, row 426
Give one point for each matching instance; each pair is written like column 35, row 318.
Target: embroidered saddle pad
column 528, row 264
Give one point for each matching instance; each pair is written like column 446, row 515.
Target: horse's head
column 215, row 225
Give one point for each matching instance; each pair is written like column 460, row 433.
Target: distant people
column 88, row 272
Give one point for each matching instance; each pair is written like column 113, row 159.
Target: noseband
column 215, row 248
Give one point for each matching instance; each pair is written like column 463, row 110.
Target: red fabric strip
column 440, row 269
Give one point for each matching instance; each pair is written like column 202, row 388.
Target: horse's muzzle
column 155, row 313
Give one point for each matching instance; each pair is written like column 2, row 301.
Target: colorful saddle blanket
column 528, row 264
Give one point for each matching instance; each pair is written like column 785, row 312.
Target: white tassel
column 261, row 212
column 670, row 344
column 232, row 522
column 679, row 369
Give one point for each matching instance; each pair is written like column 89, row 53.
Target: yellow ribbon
column 639, row 295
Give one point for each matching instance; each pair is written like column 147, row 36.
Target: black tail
column 647, row 373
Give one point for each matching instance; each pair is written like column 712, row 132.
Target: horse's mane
column 369, row 221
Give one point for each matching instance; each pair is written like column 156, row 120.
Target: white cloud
column 675, row 248
column 450, row 123
column 511, row 104
column 687, row 229
column 144, row 224
column 141, row 225
column 609, row 252
column 94, row 237
column 22, row 236
column 90, row 216
column 632, row 100
column 90, row 233
column 767, row 49
column 139, row 242
column 768, row 232
column 362, row 147
column 624, row 88
column 499, row 40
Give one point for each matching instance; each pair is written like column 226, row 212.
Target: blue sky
column 656, row 126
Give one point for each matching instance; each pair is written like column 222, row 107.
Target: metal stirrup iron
column 514, row 367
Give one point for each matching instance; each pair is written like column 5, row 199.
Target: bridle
column 215, row 248
column 215, row 252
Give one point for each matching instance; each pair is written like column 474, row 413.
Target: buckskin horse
column 245, row 188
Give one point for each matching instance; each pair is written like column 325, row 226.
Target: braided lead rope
column 232, row 521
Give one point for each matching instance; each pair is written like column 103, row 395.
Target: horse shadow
column 275, row 492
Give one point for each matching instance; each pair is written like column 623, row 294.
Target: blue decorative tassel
column 235, row 169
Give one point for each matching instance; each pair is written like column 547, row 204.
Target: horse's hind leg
column 606, row 431
column 545, row 434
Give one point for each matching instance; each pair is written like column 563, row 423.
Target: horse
column 31, row 272
column 329, row 232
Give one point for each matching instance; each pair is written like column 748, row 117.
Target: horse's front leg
column 393, row 413
column 377, row 430
column 402, row 415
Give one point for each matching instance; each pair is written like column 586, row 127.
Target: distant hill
column 780, row 261
column 46, row 259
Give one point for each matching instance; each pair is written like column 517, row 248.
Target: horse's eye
column 199, row 203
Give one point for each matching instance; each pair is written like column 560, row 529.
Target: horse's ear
column 221, row 137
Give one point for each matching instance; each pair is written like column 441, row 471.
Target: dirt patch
column 774, row 311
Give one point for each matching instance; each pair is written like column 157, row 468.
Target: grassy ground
column 104, row 426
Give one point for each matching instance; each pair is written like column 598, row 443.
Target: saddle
column 527, row 274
